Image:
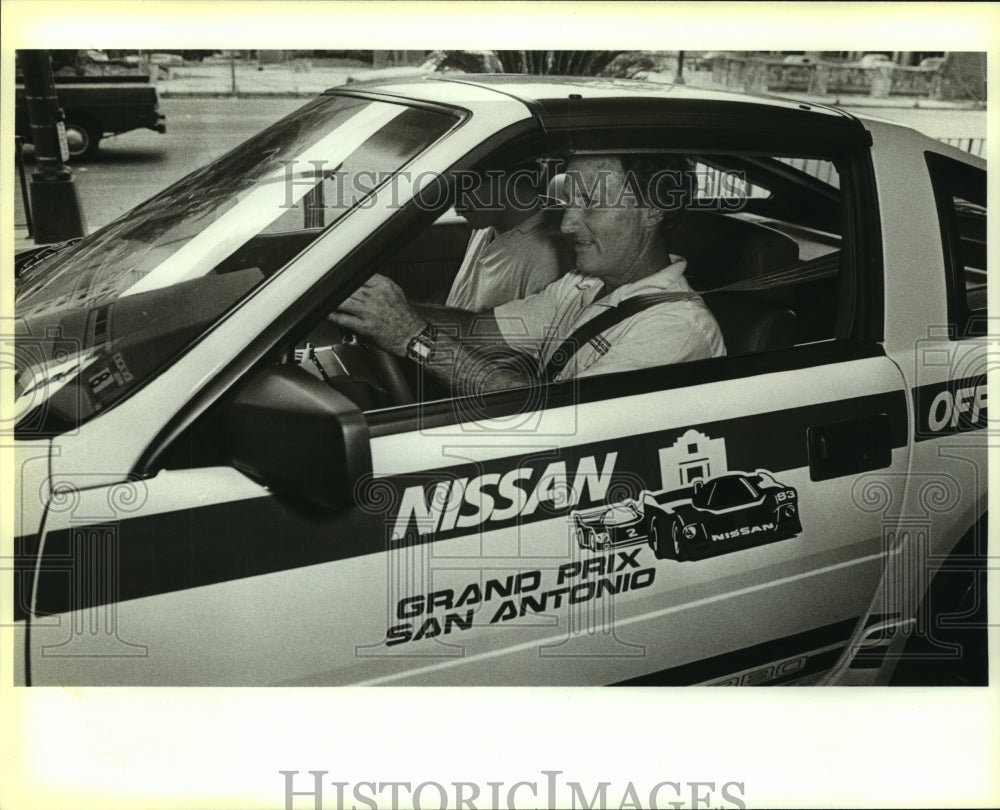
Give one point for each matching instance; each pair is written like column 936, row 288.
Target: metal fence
column 825, row 171
column 712, row 183
column 974, row 146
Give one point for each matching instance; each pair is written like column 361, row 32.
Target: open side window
column 778, row 244
column 782, row 246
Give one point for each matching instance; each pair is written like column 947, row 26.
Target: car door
column 562, row 613
column 490, row 496
column 823, row 422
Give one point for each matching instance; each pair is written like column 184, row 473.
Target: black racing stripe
column 501, row 404
column 154, row 554
column 758, row 655
column 173, row 551
column 870, row 657
column 775, row 441
column 876, row 618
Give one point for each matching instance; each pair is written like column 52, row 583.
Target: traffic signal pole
column 55, row 209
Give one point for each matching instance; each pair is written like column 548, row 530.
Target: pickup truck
column 96, row 106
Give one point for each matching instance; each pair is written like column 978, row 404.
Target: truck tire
column 83, row 137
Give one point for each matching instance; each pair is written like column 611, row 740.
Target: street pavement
column 132, row 167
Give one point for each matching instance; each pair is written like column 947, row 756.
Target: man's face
column 608, row 226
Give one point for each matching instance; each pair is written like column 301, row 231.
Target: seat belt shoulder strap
column 592, row 328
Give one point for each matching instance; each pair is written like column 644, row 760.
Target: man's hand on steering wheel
column 379, row 311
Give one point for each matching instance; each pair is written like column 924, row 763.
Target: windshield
column 728, row 492
column 100, row 317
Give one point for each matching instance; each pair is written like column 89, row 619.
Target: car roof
column 550, row 93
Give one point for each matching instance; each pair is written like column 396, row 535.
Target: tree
column 617, row 64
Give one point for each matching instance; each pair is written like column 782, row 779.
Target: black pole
column 679, row 79
column 55, row 209
column 23, row 181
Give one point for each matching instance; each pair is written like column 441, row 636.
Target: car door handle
column 846, row 448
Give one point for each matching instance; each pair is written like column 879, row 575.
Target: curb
column 202, row 94
column 906, row 103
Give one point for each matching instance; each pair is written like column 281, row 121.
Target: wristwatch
column 420, row 349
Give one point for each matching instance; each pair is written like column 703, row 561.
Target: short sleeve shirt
column 670, row 332
column 505, row 267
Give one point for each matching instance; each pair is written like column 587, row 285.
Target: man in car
column 516, row 248
column 619, row 215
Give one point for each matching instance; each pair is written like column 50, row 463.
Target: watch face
column 420, row 348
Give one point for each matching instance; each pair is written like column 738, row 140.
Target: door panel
column 462, row 563
column 751, row 591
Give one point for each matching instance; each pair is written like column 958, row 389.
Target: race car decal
column 716, row 512
column 946, row 408
column 719, row 515
column 618, row 524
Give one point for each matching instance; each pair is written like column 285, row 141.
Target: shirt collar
column 669, row 279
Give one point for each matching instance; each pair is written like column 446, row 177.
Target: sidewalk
column 297, row 78
column 294, row 79
column 305, row 78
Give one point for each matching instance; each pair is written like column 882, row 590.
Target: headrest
column 723, row 249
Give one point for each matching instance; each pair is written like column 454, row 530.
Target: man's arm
column 464, row 324
column 379, row 311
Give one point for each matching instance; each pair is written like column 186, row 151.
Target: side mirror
column 298, row 436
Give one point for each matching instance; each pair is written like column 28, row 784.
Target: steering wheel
column 396, row 384
column 332, row 354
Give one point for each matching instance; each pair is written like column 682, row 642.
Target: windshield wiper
column 33, row 257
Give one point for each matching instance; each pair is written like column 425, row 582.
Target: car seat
column 722, row 250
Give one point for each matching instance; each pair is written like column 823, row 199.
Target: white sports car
column 216, row 486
